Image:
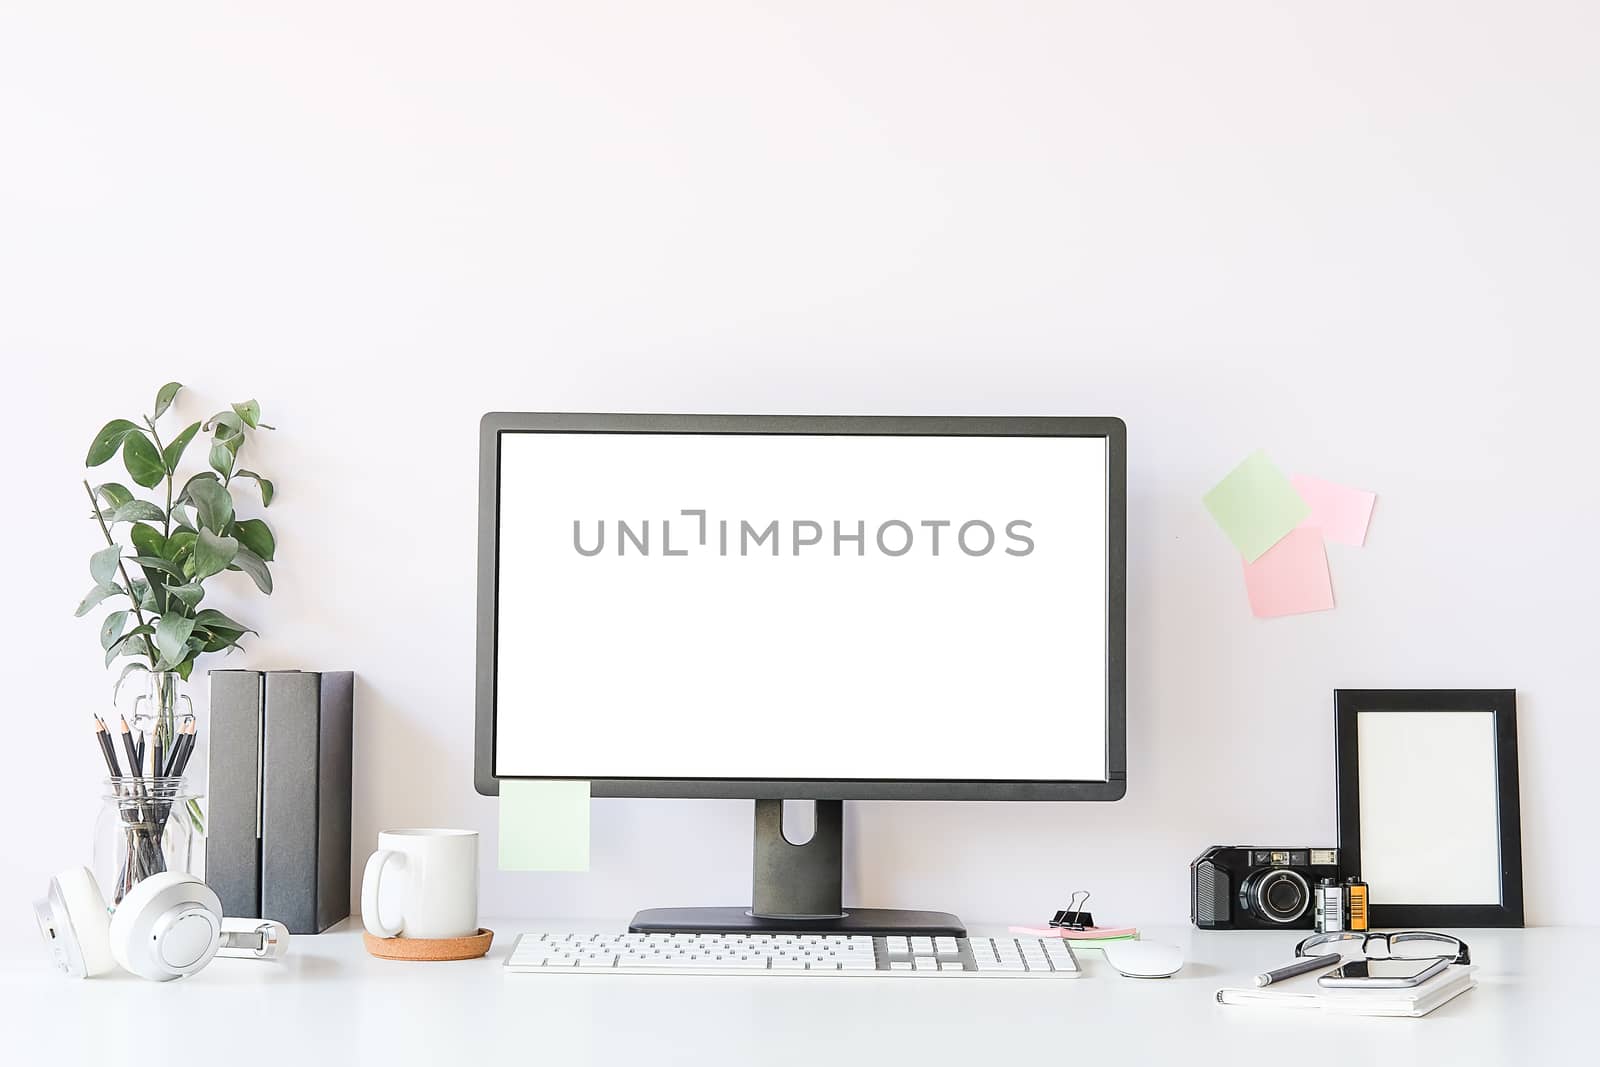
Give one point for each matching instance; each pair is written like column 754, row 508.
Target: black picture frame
column 1349, row 704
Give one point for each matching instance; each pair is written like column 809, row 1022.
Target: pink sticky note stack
column 1291, row 577
column 1340, row 512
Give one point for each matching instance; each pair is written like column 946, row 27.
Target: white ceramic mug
column 422, row 883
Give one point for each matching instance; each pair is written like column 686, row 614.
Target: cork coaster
column 429, row 948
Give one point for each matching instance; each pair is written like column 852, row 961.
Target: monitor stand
column 798, row 889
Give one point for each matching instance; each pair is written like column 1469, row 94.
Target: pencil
column 188, row 750
column 157, row 764
column 1319, row 962
column 127, row 745
column 106, row 751
column 175, row 757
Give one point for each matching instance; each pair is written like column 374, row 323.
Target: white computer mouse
column 1144, row 959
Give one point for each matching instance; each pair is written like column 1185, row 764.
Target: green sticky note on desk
column 544, row 825
column 1256, row 505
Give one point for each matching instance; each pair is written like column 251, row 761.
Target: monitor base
column 863, row 921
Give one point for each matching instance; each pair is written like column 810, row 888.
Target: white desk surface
column 329, row 1003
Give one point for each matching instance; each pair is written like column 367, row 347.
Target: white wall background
column 1363, row 235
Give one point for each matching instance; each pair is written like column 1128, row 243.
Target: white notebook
column 1304, row 992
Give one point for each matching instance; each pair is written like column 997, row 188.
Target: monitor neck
column 804, row 882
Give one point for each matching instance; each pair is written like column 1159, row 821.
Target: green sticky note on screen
column 1256, row 505
column 544, row 825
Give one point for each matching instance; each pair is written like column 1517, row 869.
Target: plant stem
column 150, row 648
column 161, row 450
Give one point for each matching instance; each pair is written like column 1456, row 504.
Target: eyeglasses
column 1400, row 945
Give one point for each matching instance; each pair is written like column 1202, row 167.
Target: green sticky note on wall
column 544, row 825
column 1256, row 505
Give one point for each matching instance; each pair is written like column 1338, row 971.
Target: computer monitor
column 779, row 607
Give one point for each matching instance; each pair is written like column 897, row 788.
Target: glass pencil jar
column 146, row 825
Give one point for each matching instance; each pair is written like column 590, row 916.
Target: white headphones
column 168, row 926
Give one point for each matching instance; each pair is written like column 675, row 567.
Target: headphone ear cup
column 168, row 926
column 76, row 924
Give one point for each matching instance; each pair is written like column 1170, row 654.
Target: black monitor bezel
column 1111, row 429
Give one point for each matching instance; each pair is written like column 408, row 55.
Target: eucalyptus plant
column 160, row 554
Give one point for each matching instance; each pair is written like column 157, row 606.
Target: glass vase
column 146, row 825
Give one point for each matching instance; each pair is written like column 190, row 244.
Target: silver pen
column 1301, row 966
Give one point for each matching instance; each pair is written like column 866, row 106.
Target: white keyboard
column 801, row 954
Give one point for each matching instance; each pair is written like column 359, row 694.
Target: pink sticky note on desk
column 1340, row 512
column 1291, row 577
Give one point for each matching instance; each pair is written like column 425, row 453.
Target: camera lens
column 1279, row 896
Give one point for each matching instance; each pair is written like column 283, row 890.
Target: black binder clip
column 1073, row 917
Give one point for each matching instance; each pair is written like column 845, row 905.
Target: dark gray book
column 233, row 800
column 308, row 720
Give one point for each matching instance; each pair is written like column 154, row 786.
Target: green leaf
column 172, row 633
column 261, row 483
column 111, row 629
column 249, row 411
column 185, row 668
column 225, row 424
column 95, row 596
column 113, row 494
column 142, row 460
column 255, row 567
column 180, row 518
column 127, row 670
column 147, row 540
column 103, row 564
column 221, row 459
column 137, row 511
column 220, row 644
column 213, row 554
column 256, row 535
column 158, row 563
column 147, row 599
column 216, row 621
column 221, row 640
column 185, row 654
column 157, row 582
column 180, row 543
column 164, row 397
column 131, row 644
column 186, row 494
column 212, row 504
column 174, row 450
column 189, row 594
column 107, row 441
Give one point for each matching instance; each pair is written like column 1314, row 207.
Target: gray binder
column 308, row 720
column 233, row 801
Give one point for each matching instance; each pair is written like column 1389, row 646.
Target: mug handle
column 376, row 863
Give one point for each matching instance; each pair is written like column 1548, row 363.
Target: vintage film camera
column 1243, row 887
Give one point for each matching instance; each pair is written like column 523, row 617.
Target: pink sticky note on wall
column 1291, row 577
column 1340, row 512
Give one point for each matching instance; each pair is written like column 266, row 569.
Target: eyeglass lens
column 1412, row 947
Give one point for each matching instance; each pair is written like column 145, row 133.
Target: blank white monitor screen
column 802, row 607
